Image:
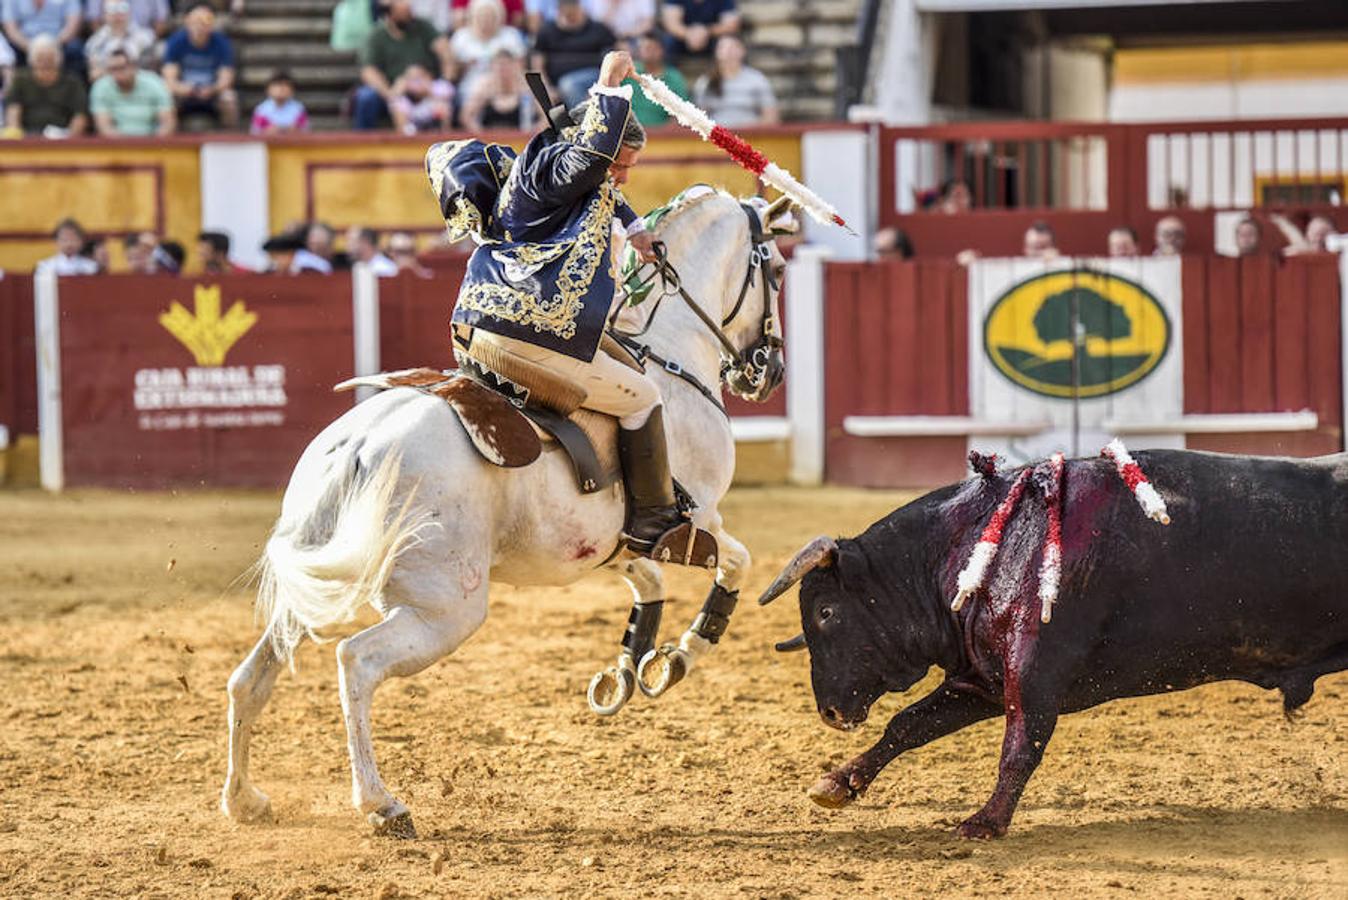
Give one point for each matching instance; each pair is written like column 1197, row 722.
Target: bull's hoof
column 393, row 824
column 611, row 689
column 245, row 804
column 833, row 792
column 661, row 669
column 978, row 828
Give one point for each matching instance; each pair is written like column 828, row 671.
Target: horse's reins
column 752, row 361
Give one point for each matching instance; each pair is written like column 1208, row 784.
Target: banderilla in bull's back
column 1043, row 591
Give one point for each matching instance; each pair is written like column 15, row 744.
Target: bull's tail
column 318, row 571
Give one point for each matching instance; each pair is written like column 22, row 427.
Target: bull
column 1249, row 583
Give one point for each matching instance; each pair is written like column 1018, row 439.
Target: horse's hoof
column 661, row 669
column 395, row 825
column 246, row 804
column 832, row 792
column 976, row 828
column 611, row 689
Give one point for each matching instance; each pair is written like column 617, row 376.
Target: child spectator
column 119, row 32
column 625, row 18
column 70, row 240
column 570, row 48
column 473, row 46
column 280, row 112
column 131, row 102
column 199, row 68
column 651, row 61
column 398, row 42
column 1123, row 242
column 734, row 94
column 153, row 15
column 694, row 25
column 421, row 102
column 43, row 99
column 501, row 99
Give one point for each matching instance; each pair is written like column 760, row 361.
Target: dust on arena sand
column 119, row 626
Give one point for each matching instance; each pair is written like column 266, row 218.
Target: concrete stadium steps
column 293, row 35
column 794, row 45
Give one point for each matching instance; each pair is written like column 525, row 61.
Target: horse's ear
column 782, row 216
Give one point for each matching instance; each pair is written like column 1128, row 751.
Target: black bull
column 1248, row 583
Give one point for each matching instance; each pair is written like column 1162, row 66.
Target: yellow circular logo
column 1083, row 332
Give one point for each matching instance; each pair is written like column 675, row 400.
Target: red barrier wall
column 18, row 362
column 125, row 428
column 414, row 318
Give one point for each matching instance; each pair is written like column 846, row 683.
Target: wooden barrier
column 18, row 363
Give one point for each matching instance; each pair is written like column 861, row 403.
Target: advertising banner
column 169, row 381
column 1069, row 352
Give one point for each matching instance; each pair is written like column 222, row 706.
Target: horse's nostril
column 832, row 715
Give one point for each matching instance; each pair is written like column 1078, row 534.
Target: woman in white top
column 733, row 94
column 485, row 35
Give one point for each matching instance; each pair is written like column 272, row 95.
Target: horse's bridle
column 744, row 370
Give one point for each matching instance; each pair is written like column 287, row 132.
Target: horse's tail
column 319, row 569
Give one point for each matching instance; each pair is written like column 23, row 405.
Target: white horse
column 392, row 506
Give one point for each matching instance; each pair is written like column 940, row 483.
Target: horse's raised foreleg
column 659, row 670
column 612, row 688
column 249, row 689
column 407, row 640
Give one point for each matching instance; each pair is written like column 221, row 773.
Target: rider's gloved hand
column 644, row 244
column 616, row 66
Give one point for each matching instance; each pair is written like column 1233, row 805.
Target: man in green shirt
column 132, row 102
column 44, row 97
column 651, row 55
column 400, row 41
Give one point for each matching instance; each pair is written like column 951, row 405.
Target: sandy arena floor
column 119, row 626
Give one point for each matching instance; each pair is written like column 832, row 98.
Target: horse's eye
column 826, row 613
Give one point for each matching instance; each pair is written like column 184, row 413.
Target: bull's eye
column 826, row 613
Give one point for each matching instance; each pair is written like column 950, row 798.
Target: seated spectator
column 199, row 68
column 1249, row 237
column 1170, row 236
column 153, row 15
column 651, row 61
column 27, row 20
column 131, row 102
column 168, row 258
column 420, row 102
column 213, row 249
column 70, row 239
column 1040, row 241
column 733, row 94
column 694, row 25
column 139, row 252
column 402, row 249
column 317, row 252
column 43, row 99
column 281, row 250
column 501, row 99
column 96, row 249
column 7, row 60
column 362, row 245
column 280, row 113
column 515, row 14
column 893, row 243
column 473, row 46
column 625, row 18
column 1122, row 241
column 955, row 198
column 121, row 33
column 569, row 49
column 398, row 42
column 538, row 13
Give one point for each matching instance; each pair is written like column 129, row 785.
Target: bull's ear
column 819, row 553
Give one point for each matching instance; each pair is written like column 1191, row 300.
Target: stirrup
column 684, row 544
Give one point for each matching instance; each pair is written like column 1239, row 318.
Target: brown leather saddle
column 513, row 410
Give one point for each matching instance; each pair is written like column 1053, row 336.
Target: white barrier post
column 805, row 363
column 47, row 321
column 365, row 325
column 234, row 196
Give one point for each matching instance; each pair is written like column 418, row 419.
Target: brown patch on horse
column 415, row 378
column 500, row 432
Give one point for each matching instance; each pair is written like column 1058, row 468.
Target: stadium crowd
column 140, row 68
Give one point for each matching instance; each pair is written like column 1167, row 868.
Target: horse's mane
column 687, row 199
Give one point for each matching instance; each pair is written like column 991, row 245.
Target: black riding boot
column 645, row 462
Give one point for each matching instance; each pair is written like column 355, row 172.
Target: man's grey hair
column 44, row 45
column 634, row 135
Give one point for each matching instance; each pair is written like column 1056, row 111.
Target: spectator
column 153, row 15
column 955, row 198
column 199, row 68
column 1170, row 236
column 651, row 61
column 352, row 22
column 44, row 100
column 213, row 249
column 1318, row 232
column 7, row 60
column 316, row 253
column 362, row 245
column 96, row 249
column 538, row 13
column 281, row 250
column 420, row 102
column 1314, row 240
column 169, row 257
column 131, row 102
column 1249, row 237
column 1122, row 241
column 118, row 33
column 139, row 251
column 694, row 25
column 515, row 14
column 70, row 239
column 280, row 112
column 1040, row 242
column 473, row 47
column 893, row 243
column 402, row 248
column 625, row 18
column 569, row 50
column 397, row 43
column 501, row 100
column 27, row 20
column 734, row 94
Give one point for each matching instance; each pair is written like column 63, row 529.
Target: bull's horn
column 817, row 554
column 794, row 644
